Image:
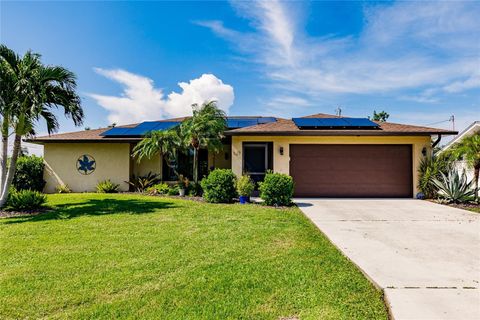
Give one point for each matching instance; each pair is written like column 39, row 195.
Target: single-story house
column 327, row 156
column 461, row 165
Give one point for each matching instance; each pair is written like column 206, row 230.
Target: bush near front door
column 277, row 189
column 220, row 186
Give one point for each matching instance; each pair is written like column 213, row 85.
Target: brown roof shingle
column 283, row 127
column 287, row 127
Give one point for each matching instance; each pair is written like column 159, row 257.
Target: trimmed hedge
column 219, row 186
column 277, row 189
column 29, row 174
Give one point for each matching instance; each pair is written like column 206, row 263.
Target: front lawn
column 128, row 256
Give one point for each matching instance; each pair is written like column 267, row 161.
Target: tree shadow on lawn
column 95, row 207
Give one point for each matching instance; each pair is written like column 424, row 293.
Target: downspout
column 437, row 141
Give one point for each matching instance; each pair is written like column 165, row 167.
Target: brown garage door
column 351, row 170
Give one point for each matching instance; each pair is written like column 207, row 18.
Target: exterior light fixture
column 281, row 151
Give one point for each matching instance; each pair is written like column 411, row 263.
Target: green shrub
column 173, row 191
column 160, row 188
column 23, row 200
column 29, row 173
column 219, row 186
column 107, row 186
column 62, row 188
column 142, row 183
column 277, row 189
column 431, row 168
column 454, row 187
column 245, row 186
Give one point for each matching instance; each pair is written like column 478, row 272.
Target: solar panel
column 115, row 132
column 148, row 126
column 233, row 123
column 361, row 122
column 306, row 122
column 141, row 129
column 241, row 123
column 266, row 120
column 335, row 123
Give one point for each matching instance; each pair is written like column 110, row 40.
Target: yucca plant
column 62, row 188
column 107, row 186
column 142, row 183
column 431, row 168
column 454, row 187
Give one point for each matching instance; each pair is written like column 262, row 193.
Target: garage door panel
column 351, row 170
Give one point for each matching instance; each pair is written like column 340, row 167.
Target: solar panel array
column 141, row 129
column 235, row 123
column 335, row 123
column 148, row 126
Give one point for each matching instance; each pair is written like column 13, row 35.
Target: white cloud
column 403, row 46
column 458, row 86
column 141, row 101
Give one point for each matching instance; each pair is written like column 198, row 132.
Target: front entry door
column 255, row 160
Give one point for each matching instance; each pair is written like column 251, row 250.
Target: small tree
column 166, row 143
column 468, row 149
column 204, row 130
column 381, row 116
column 28, row 92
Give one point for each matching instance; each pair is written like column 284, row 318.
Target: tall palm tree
column 468, row 149
column 9, row 62
column 167, row 143
column 36, row 90
column 204, row 130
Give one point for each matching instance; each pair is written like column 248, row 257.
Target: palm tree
column 468, row 149
column 35, row 90
column 167, row 143
column 204, row 130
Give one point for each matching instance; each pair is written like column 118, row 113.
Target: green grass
column 474, row 209
column 127, row 256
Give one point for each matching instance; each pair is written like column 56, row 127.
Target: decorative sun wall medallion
column 86, row 164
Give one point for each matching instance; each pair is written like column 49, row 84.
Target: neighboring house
column 327, row 156
column 462, row 165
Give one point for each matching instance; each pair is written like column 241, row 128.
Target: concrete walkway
column 425, row 256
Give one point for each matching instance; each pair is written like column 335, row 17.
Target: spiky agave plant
column 455, row 187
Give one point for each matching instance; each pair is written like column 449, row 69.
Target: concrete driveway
column 425, row 256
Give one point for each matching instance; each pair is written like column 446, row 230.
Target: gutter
column 336, row 133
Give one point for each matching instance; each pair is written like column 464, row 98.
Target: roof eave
column 43, row 141
column 336, row 133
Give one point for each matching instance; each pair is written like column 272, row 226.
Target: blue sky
column 419, row 61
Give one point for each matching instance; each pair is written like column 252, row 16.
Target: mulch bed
column 475, row 207
column 472, row 207
column 12, row 213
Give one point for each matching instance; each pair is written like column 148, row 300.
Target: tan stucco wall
column 281, row 163
column 222, row 159
column 154, row 165
column 112, row 162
